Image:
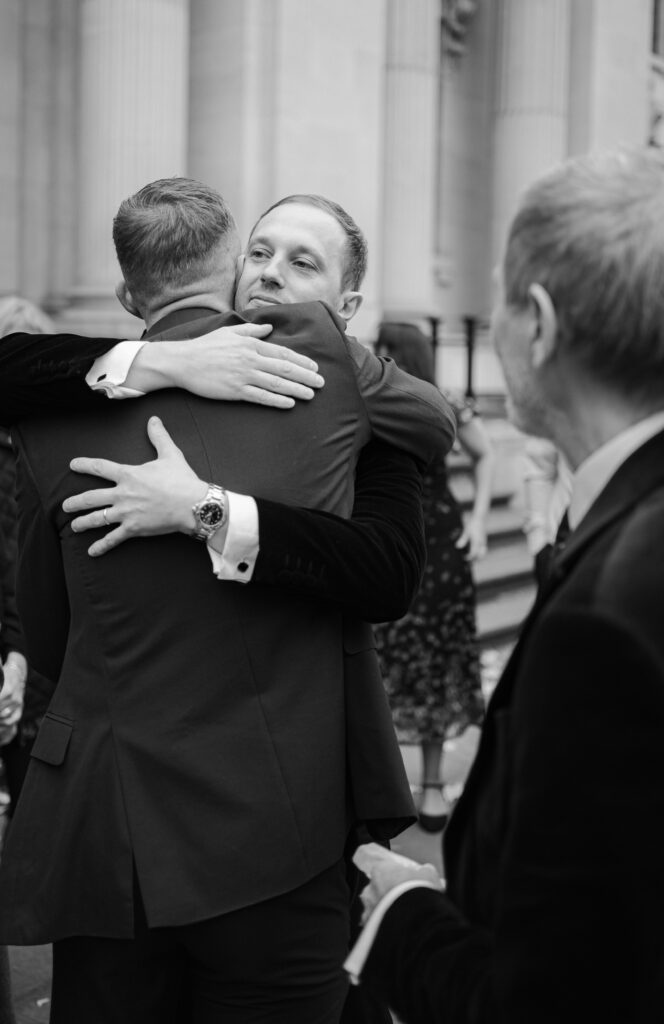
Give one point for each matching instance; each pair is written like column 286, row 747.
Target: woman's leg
column 433, row 810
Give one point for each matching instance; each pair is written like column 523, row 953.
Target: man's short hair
column 165, row 234
column 356, row 246
column 591, row 232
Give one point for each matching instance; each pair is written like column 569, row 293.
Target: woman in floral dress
column 430, row 658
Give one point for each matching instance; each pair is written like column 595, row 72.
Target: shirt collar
column 594, row 473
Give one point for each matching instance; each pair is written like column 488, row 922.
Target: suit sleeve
column 46, row 372
column 41, row 590
column 576, row 930
column 371, row 564
column 403, row 411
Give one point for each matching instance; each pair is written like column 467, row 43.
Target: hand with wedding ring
column 143, row 501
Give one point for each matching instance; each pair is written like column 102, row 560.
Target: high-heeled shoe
column 432, row 823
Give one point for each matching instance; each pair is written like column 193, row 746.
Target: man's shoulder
column 297, row 316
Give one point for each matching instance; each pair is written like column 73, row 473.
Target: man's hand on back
column 231, row 363
column 154, row 498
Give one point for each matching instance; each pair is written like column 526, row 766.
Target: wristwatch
column 211, row 513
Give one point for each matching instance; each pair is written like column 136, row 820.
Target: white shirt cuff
column 238, row 557
column 356, row 959
column 110, row 371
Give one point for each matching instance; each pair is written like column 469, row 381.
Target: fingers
column 100, row 519
column 97, row 467
column 286, row 355
column 161, row 440
column 289, row 373
column 111, row 540
column 258, row 396
column 281, row 386
column 88, row 499
column 247, row 330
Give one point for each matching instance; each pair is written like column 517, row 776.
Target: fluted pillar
column 10, row 128
column 609, row 74
column 293, row 104
column 411, row 122
column 531, row 100
column 132, row 124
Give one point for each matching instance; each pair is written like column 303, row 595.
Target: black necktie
column 546, row 558
column 562, row 534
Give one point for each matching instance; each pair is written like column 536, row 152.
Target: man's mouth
column 263, row 300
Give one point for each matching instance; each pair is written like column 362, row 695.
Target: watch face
column 211, row 513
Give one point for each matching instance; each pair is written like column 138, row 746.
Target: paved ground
column 31, row 966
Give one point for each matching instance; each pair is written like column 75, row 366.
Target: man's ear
column 545, row 328
column 126, row 299
column 350, row 303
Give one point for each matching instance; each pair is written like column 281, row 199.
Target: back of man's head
column 172, row 235
column 591, row 232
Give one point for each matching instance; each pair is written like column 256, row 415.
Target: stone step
column 463, row 489
column 500, row 617
column 505, row 526
column 505, row 567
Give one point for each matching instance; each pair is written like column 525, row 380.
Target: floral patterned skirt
column 429, row 658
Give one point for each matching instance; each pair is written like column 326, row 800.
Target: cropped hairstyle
column 591, row 232
column 356, row 244
column 165, row 234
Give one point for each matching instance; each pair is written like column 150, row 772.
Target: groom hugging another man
column 216, row 734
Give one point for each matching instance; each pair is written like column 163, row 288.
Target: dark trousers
column 278, row 962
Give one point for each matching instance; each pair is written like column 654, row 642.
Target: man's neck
column 203, row 300
column 591, row 419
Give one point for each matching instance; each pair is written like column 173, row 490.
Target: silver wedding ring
column 104, row 513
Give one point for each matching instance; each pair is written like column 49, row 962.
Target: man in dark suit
column 188, row 786
column 553, row 856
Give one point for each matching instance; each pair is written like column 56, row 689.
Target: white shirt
column 356, row 959
column 237, row 559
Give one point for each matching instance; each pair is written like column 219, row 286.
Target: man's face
column 512, row 331
column 296, row 254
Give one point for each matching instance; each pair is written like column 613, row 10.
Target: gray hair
column 591, row 232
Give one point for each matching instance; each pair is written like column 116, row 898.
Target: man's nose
column 271, row 273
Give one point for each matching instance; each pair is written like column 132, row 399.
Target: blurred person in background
column 430, row 657
column 16, row 738
column 25, row 694
column 547, row 484
column 11, row 706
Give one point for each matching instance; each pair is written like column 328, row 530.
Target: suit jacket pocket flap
column 358, row 636
column 52, row 740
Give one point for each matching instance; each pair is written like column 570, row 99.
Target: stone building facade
column 425, row 118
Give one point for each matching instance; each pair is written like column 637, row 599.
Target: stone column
column 295, row 105
column 132, row 128
column 531, row 100
column 411, row 126
column 10, row 129
column 609, row 74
